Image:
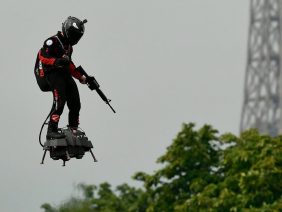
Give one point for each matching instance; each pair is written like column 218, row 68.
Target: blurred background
column 162, row 62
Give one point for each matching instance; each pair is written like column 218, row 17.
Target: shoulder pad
column 50, row 41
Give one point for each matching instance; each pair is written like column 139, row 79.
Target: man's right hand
column 62, row 62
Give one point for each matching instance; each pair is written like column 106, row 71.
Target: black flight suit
column 59, row 73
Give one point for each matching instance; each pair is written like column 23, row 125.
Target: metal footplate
column 72, row 146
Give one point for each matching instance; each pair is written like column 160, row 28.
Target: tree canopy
column 201, row 171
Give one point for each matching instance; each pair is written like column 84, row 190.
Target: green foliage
column 102, row 198
column 200, row 171
column 188, row 168
column 252, row 173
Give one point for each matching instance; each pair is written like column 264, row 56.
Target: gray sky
column 162, row 62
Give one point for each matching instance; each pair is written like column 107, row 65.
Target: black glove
column 62, row 62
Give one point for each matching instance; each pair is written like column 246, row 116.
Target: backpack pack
column 40, row 76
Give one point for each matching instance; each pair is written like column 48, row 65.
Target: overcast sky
column 162, row 62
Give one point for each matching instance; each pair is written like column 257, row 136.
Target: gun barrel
column 103, row 96
column 111, row 107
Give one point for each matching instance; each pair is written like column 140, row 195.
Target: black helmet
column 73, row 29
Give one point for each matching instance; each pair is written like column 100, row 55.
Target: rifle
column 94, row 85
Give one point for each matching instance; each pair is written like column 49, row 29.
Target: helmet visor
column 74, row 36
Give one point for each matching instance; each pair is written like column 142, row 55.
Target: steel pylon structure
column 262, row 102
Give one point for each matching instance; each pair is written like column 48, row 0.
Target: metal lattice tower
column 263, row 81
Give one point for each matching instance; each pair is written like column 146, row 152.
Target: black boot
column 52, row 132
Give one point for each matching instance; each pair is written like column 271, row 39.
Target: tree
column 200, row 171
column 101, row 198
column 189, row 165
column 252, row 171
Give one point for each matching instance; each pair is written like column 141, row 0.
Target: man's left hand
column 83, row 80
